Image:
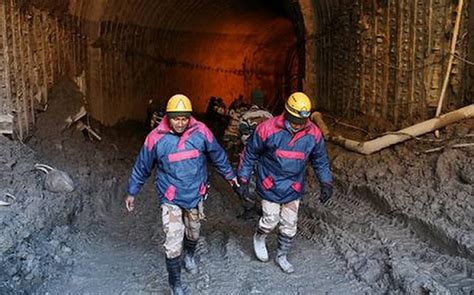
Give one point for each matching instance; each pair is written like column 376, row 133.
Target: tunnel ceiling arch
column 202, row 48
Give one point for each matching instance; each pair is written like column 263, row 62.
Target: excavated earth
column 401, row 221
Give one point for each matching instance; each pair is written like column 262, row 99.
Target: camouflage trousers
column 178, row 222
column 285, row 215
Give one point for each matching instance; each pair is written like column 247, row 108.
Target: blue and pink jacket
column 280, row 157
column 181, row 160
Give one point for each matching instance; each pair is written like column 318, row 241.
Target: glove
column 326, row 192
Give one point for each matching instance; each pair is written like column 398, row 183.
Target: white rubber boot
column 284, row 264
column 259, row 246
column 284, row 245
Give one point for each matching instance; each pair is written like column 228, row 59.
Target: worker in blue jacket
column 179, row 148
column 278, row 151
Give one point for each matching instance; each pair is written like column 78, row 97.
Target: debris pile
column 33, row 222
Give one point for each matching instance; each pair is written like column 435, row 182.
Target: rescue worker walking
column 178, row 147
column 279, row 148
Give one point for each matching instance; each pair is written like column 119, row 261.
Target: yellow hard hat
column 179, row 103
column 298, row 105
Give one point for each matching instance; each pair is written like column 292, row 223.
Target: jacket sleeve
column 219, row 158
column 141, row 170
column 250, row 154
column 320, row 162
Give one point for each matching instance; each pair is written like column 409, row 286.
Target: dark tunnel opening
column 246, row 46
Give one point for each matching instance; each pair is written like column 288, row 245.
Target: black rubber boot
column 173, row 266
column 284, row 245
column 189, row 262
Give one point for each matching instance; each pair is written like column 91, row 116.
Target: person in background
column 155, row 113
column 237, row 103
column 210, row 112
column 221, row 117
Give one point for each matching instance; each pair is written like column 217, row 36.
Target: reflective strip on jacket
column 181, row 176
column 279, row 157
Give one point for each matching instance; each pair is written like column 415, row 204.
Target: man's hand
column 240, row 187
column 234, row 183
column 326, row 193
column 129, row 203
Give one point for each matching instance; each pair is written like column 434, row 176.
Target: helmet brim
column 296, row 120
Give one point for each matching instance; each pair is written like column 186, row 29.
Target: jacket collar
column 164, row 126
column 280, row 123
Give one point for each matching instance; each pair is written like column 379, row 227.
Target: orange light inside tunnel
column 235, row 60
column 220, row 48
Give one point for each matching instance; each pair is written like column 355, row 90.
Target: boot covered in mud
column 284, row 245
column 259, row 245
column 173, row 266
column 189, row 250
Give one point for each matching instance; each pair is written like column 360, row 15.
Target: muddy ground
column 401, row 221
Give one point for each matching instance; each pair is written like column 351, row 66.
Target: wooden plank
column 73, row 36
column 422, row 37
column 16, row 68
column 48, row 24
column 57, row 54
column 398, row 52
column 31, row 70
column 363, row 60
column 39, row 32
column 373, row 71
column 452, row 51
column 23, row 74
column 7, row 107
column 386, row 61
column 413, row 64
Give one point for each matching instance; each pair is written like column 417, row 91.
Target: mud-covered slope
column 36, row 231
column 402, row 219
column 33, row 239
